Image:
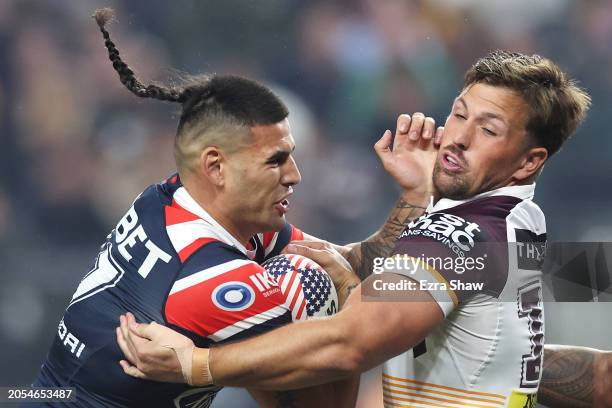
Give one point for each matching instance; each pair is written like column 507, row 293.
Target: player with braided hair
column 187, row 253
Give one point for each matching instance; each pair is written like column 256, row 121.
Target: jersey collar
column 185, row 200
column 524, row 192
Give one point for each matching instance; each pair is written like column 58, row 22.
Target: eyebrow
column 279, row 156
column 488, row 115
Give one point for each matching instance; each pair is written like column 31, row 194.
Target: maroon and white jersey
column 482, row 261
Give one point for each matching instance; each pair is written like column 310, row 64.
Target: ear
column 532, row 162
column 211, row 165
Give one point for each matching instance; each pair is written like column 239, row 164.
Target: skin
column 241, row 189
column 485, row 133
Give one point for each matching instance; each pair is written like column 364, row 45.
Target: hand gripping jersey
column 167, row 261
column 488, row 350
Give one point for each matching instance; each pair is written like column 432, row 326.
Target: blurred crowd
column 77, row 147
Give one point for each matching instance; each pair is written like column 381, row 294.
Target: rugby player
column 440, row 347
column 172, row 256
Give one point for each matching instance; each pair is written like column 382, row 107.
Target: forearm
column 320, row 351
column 409, row 207
column 568, row 376
column 303, row 354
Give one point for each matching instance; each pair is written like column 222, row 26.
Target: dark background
column 76, row 147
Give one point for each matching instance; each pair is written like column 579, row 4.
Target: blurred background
column 76, row 147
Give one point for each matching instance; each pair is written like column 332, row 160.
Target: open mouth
column 282, row 206
column 451, row 163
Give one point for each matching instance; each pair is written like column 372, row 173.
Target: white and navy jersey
column 167, row 261
column 488, row 350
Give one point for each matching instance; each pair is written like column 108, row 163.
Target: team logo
column 233, row 296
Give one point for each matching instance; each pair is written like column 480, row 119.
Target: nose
column 291, row 175
column 462, row 136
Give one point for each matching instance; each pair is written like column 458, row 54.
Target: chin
column 275, row 225
column 451, row 187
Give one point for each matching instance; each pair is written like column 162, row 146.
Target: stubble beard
column 452, row 186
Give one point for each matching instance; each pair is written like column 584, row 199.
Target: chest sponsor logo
column 448, row 229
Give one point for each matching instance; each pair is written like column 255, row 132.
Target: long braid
column 126, row 75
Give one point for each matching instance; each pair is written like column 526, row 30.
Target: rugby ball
column 309, row 291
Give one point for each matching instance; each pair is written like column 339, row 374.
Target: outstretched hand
column 410, row 155
column 153, row 351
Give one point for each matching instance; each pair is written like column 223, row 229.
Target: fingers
column 131, row 370
column 303, row 250
column 124, row 340
column 416, row 126
column 402, row 128
column 429, row 128
column 142, row 330
column 412, row 129
column 313, row 244
column 403, row 124
column 439, row 134
column 125, row 349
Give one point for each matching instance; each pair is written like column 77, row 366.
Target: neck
column 208, row 200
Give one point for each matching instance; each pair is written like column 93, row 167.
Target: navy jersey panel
column 136, row 269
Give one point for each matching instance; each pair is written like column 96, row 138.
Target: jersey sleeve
column 454, row 257
column 220, row 294
column 272, row 243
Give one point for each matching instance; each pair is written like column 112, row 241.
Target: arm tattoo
column 567, row 377
column 381, row 244
column 350, row 289
column 285, row 399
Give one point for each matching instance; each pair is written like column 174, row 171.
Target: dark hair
column 557, row 105
column 241, row 101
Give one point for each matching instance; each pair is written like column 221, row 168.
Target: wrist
column 417, row 197
column 200, row 371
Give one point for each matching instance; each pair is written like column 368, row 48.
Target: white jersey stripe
column 183, row 234
column 247, row 323
column 272, row 244
column 207, row 274
column 257, row 283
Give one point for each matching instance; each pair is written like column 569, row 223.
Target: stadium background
column 77, row 147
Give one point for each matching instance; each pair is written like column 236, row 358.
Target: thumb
column 383, row 146
column 142, row 329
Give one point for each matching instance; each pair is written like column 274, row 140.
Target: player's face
column 261, row 178
column 483, row 142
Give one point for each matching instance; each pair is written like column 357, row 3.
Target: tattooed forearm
column 567, row 377
column 382, row 242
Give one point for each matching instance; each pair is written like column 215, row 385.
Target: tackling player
column 449, row 347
